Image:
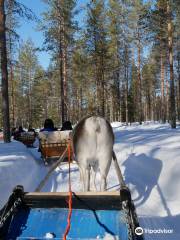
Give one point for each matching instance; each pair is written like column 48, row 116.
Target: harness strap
column 55, row 165
column 70, row 195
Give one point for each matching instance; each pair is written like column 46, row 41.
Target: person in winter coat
column 66, row 126
column 48, row 125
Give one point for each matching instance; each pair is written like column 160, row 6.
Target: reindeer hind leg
column 87, row 179
column 103, row 183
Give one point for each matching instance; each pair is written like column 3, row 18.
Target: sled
column 53, row 144
column 27, row 138
column 1, row 136
column 95, row 215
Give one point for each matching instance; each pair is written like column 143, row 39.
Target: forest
column 120, row 61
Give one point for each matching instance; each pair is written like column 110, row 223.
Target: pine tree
column 27, row 68
column 117, row 29
column 59, row 29
column 80, row 82
column 4, row 73
column 170, row 48
column 176, row 8
column 97, row 49
column 138, row 24
column 149, row 85
column 158, row 25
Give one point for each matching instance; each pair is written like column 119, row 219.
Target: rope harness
column 54, row 166
column 70, row 194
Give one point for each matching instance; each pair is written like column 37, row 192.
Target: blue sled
column 95, row 215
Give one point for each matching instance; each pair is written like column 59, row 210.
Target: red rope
column 70, row 196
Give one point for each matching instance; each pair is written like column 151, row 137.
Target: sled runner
column 53, row 144
column 95, row 215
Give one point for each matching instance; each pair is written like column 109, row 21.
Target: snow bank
column 18, row 166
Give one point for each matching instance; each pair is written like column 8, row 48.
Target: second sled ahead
column 53, row 144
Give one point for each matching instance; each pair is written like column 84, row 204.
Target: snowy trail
column 150, row 160
column 149, row 156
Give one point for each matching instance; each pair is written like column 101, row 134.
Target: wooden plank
column 81, row 200
column 65, row 194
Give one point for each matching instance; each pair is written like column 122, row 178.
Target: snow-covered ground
column 18, row 165
column 149, row 156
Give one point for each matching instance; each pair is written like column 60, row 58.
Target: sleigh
column 95, row 215
column 53, row 144
column 1, row 136
column 27, row 138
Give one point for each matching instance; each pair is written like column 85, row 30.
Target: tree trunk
column 62, row 66
column 61, row 79
column 45, row 109
column 62, row 86
column 178, row 70
column 170, row 47
column 12, row 102
column 12, row 94
column 118, row 80
column 30, row 100
column 126, row 83
column 64, row 61
column 167, row 96
column 162, row 63
column 139, row 79
column 162, row 86
column 102, row 87
column 4, row 73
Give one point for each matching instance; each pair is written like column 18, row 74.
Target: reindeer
column 93, row 141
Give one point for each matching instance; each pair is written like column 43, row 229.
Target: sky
column 28, row 29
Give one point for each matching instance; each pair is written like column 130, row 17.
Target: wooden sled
column 53, row 144
column 27, row 138
column 95, row 215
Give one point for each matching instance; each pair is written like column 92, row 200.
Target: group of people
column 16, row 132
column 48, row 126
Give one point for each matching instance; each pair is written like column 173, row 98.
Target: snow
column 149, row 157
column 49, row 236
column 18, row 166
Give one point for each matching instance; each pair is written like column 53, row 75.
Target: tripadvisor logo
column 139, row 231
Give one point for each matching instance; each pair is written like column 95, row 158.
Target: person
column 18, row 132
column 13, row 131
column 66, row 126
column 1, row 134
column 30, row 129
column 48, row 125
